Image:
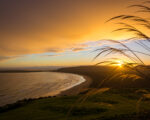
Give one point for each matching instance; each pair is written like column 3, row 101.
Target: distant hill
column 30, row 69
column 101, row 74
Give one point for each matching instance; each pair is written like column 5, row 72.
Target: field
column 110, row 102
column 113, row 104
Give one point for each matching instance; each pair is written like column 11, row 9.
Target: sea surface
column 19, row 86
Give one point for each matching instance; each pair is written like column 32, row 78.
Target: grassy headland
column 128, row 102
column 100, row 73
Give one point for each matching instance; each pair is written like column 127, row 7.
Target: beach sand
column 77, row 89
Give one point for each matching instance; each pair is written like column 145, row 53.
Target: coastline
column 117, row 103
column 75, row 90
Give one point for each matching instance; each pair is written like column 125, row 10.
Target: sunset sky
column 58, row 32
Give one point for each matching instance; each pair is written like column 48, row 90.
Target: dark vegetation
column 114, row 104
column 111, row 76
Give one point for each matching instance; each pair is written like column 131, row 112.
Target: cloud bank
column 40, row 26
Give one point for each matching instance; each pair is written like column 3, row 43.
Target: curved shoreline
column 74, row 90
column 78, row 88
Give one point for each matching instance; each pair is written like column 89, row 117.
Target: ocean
column 19, row 86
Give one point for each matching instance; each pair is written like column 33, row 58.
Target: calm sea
column 18, row 86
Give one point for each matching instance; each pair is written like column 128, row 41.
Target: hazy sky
column 56, row 32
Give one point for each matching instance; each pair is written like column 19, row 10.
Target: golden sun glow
column 119, row 63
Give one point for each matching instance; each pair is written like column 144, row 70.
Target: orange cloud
column 53, row 55
column 32, row 26
column 4, row 58
column 78, row 49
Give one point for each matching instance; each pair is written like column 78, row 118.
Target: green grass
column 114, row 104
column 118, row 103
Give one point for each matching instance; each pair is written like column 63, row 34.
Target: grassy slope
column 99, row 73
column 111, row 105
column 115, row 104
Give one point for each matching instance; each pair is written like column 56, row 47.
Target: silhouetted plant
column 139, row 35
column 130, row 70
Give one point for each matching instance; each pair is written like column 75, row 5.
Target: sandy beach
column 77, row 89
